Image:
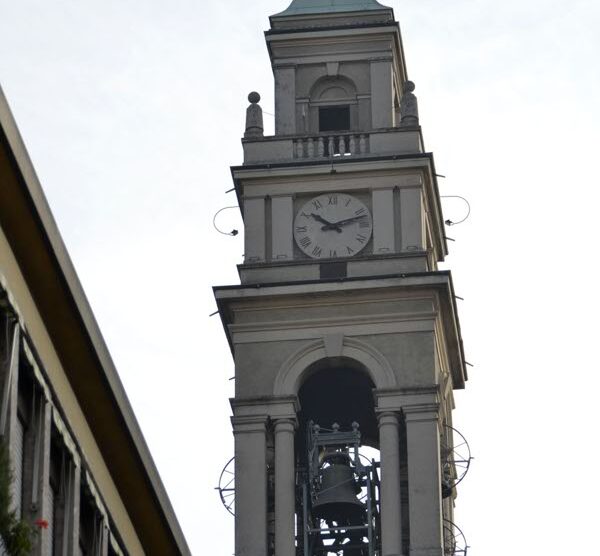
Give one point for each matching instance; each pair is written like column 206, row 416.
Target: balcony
column 289, row 148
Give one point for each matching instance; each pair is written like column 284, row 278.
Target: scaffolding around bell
column 338, row 496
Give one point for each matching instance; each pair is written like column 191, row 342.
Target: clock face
column 333, row 225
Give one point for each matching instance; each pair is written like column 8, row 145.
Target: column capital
column 387, row 417
column 249, row 424
column 289, row 424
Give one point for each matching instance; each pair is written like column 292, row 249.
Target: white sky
column 132, row 111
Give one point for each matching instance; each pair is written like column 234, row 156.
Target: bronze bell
column 336, row 499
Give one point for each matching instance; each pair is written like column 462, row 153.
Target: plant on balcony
column 16, row 534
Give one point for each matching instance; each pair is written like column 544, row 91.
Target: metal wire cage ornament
column 455, row 543
column 226, row 486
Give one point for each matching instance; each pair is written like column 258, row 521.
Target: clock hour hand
column 327, row 225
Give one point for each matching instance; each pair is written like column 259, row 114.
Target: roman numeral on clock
column 332, row 199
column 364, row 223
column 304, row 241
column 317, row 251
column 300, row 229
column 317, row 204
column 360, row 238
column 360, row 211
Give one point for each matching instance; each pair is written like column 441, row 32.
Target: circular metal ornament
column 226, row 486
column 456, row 459
column 455, row 543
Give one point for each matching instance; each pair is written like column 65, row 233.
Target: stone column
column 424, row 479
column 284, row 488
column 389, row 446
column 250, row 485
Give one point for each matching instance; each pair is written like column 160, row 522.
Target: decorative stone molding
column 268, row 407
column 289, row 377
column 416, row 402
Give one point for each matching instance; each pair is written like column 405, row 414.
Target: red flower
column 41, row 523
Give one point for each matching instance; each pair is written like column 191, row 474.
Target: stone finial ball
column 409, row 86
column 254, row 97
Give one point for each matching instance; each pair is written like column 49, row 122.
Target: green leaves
column 16, row 534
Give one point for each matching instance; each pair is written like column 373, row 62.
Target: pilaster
column 250, row 484
column 383, row 221
column 424, row 478
column 255, row 229
column 382, row 102
column 411, row 219
column 285, row 99
column 282, row 216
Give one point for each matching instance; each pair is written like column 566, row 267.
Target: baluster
column 299, row 149
column 320, row 147
column 342, row 143
column 352, row 145
column 363, row 145
column 310, row 148
column 331, row 146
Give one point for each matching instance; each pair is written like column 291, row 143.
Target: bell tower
column 344, row 333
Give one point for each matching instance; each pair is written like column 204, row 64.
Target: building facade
column 83, row 475
column 344, row 332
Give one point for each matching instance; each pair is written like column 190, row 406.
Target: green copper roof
column 300, row 7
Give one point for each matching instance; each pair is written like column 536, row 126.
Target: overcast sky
column 132, row 111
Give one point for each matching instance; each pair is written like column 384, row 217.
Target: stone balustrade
column 325, row 146
column 284, row 148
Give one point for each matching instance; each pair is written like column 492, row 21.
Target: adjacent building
column 82, row 469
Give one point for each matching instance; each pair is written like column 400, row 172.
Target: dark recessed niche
column 334, row 118
column 333, row 270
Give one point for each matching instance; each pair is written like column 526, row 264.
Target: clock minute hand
column 348, row 220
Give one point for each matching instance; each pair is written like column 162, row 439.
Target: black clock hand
column 348, row 220
column 321, row 219
column 328, row 225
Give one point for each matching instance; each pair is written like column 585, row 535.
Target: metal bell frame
column 316, row 532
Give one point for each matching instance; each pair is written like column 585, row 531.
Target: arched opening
column 337, row 390
column 333, row 105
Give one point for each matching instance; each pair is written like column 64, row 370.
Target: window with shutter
column 18, row 452
column 51, row 501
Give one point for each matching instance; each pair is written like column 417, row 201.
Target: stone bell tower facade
column 343, row 331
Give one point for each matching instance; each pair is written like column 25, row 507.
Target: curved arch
column 289, row 377
column 333, row 88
